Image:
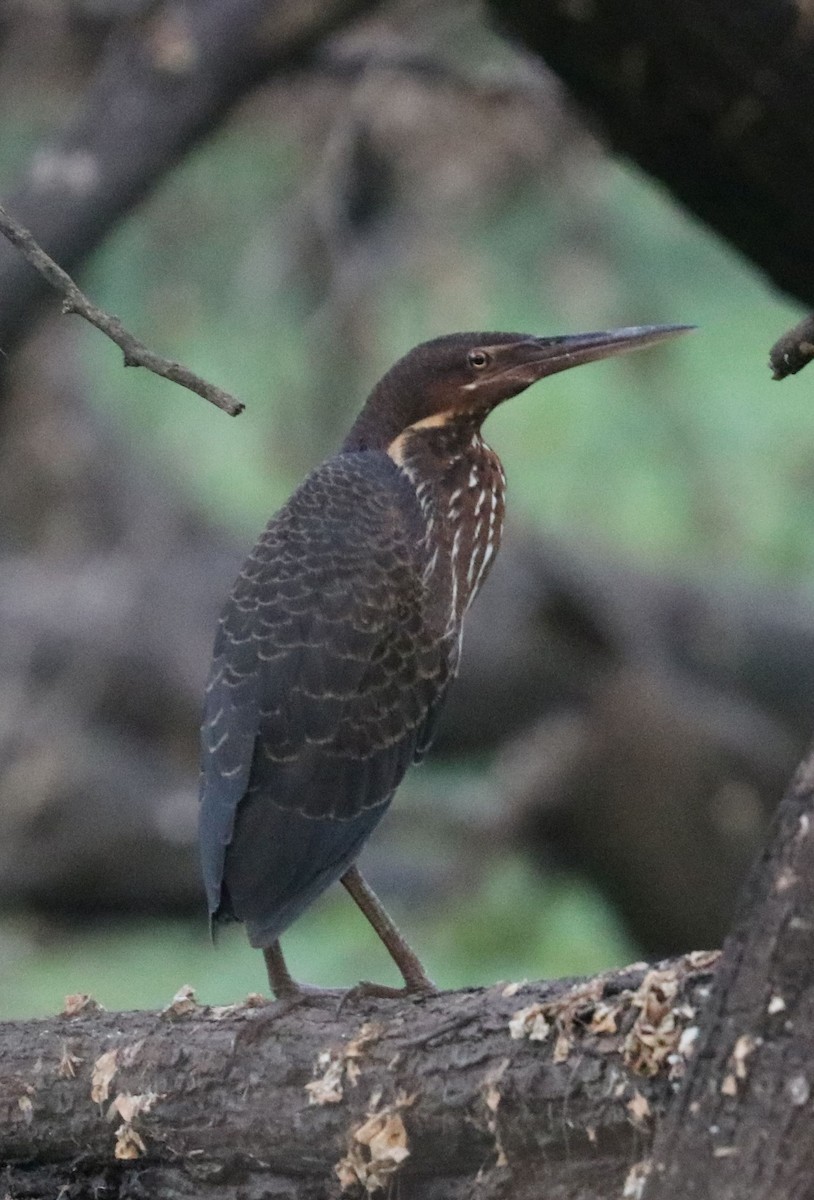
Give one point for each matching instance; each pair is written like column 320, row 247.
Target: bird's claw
column 366, row 990
column 286, row 1001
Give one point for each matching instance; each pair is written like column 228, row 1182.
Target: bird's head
column 469, row 374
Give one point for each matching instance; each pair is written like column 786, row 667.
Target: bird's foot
column 287, row 993
column 287, row 999
column 381, row 991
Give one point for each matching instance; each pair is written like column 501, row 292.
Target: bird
column 342, row 634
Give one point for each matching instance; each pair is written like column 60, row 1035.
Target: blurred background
column 638, row 674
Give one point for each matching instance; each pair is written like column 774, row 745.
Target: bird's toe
column 365, row 990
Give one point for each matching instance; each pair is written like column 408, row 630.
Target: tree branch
column 793, row 350
column 548, row 1085
column 711, row 98
column 135, row 352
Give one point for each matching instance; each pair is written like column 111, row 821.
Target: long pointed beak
column 547, row 356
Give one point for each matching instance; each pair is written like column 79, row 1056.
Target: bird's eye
column 478, row 359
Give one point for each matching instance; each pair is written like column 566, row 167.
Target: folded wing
column 324, row 685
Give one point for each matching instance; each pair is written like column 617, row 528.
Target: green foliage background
column 688, row 457
column 687, row 453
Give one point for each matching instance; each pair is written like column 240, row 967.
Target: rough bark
column 710, row 97
column 166, row 81
column 741, row 1125
column 543, row 1088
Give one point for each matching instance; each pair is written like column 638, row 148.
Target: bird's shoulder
column 352, row 504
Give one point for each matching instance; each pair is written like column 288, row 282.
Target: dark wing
column 324, row 680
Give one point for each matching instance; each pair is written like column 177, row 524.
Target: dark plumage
column 343, row 630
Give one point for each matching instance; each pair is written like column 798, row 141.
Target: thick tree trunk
column 519, row 1091
column 712, row 98
column 742, row 1123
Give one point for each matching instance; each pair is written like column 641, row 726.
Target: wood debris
column 80, row 1002
column 639, row 1109
column 68, row 1062
column 340, row 1065
column 659, row 1037
column 129, row 1142
column 104, row 1069
column 702, row 960
column 636, row 1178
column 744, row 1047
column 531, row 1023
column 217, row 1012
column 491, row 1098
column 578, row 1009
column 656, row 1033
column 562, row 1046
column 327, row 1088
column 729, row 1085
column 182, row 1004
column 605, row 1018
column 376, row 1149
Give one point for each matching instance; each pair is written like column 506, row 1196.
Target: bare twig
column 136, row 354
column 793, row 350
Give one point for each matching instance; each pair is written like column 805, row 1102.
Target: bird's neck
column 460, row 486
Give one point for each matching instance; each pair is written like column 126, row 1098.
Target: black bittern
column 342, row 634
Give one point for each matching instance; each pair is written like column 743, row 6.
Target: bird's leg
column 280, row 981
column 415, row 977
column 287, row 992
